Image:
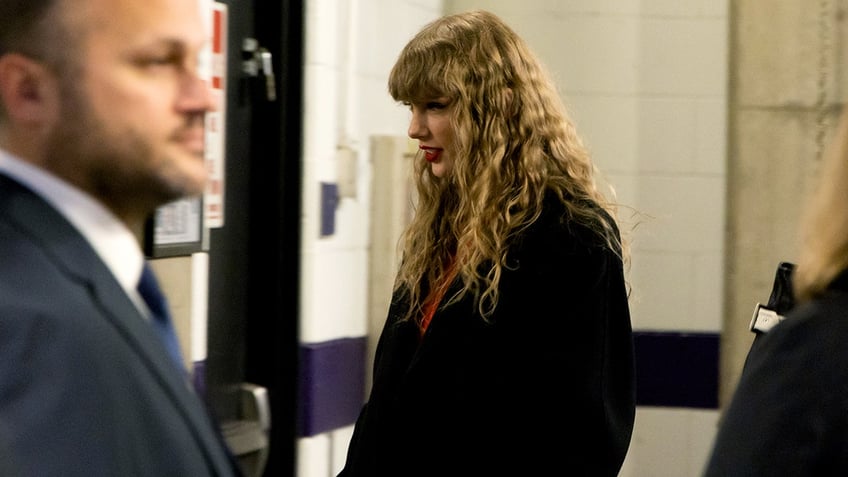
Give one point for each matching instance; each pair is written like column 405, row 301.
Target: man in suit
column 101, row 122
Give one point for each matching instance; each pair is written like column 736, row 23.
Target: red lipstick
column 431, row 154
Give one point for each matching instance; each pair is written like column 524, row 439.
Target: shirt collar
column 111, row 239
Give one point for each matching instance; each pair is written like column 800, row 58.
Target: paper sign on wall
column 216, row 120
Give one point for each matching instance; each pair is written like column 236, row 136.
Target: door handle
column 248, row 436
column 255, row 407
column 257, row 60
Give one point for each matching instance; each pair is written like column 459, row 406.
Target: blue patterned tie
column 148, row 288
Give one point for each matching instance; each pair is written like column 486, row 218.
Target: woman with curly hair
column 508, row 347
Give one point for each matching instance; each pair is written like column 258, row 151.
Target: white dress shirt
column 111, row 239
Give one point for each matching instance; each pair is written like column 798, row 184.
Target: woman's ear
column 28, row 90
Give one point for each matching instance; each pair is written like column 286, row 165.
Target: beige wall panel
column 785, row 79
column 778, row 51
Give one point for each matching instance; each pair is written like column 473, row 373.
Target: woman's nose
column 417, row 126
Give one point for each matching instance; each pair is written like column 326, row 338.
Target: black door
column 254, row 257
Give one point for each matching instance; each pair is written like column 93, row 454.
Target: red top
column 435, row 298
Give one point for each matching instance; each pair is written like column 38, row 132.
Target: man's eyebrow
column 176, row 43
column 167, row 42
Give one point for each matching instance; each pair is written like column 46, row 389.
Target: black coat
column 547, row 388
column 789, row 413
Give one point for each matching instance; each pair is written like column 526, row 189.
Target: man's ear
column 27, row 89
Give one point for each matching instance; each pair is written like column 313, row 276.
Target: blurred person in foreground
column 789, row 413
column 508, row 346
column 101, row 122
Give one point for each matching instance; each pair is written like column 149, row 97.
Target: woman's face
column 430, row 125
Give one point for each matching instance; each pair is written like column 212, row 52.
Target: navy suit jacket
column 86, row 388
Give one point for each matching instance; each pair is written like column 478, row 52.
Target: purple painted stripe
column 677, row 369
column 673, row 369
column 331, row 384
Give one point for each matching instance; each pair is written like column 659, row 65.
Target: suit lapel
column 76, row 258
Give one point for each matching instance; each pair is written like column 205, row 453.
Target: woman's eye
column 425, row 105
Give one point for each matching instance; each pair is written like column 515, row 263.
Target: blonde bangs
column 422, row 73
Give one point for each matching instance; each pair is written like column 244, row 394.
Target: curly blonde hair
column 513, row 144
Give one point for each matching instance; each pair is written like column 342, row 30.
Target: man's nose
column 196, row 94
